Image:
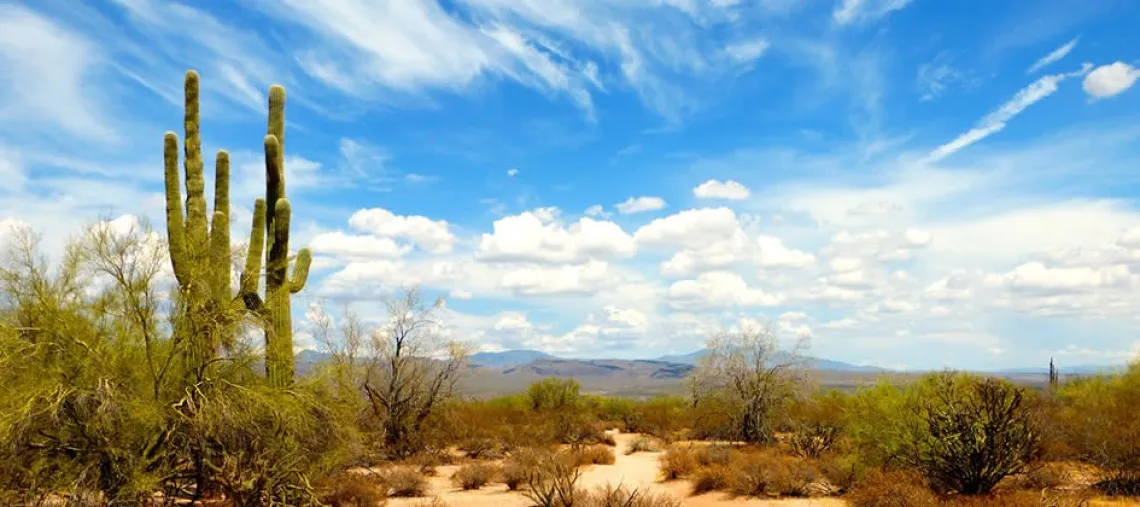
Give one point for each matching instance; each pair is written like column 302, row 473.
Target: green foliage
column 554, row 394
column 962, row 432
column 270, row 236
column 1097, row 416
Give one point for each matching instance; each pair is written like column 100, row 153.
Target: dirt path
column 633, row 471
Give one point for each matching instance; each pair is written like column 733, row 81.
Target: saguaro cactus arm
column 220, row 229
column 175, row 227
column 300, row 271
column 252, row 273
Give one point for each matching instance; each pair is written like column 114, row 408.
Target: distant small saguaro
column 1054, row 377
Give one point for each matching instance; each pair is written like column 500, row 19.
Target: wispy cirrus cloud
column 1054, row 56
column 998, row 119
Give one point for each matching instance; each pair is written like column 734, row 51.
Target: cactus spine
column 270, row 237
column 199, row 250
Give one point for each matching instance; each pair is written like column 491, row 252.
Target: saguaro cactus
column 199, row 250
column 270, row 237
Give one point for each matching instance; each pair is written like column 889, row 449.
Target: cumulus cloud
column 527, row 237
column 716, row 189
column 850, row 11
column 1110, row 80
column 640, row 205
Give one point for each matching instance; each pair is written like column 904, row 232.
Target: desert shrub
column 971, row 432
column 678, row 463
column 476, row 448
column 892, row 489
column 963, row 432
column 403, row 481
column 474, row 476
column 816, row 423
column 710, row 478
column 842, row 471
column 660, row 416
column 595, row 455
column 709, row 455
column 434, row 501
column 608, row 439
column 642, row 444
column 1002, row 499
column 620, row 496
column 353, row 490
column 552, row 481
column 758, row 474
column 1044, row 476
column 1099, row 421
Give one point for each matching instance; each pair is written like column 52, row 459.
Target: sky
column 901, row 183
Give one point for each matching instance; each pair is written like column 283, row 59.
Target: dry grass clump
column 474, row 476
column 642, row 444
column 678, row 463
column 405, row 481
column 517, row 467
column 892, row 489
column 598, row 454
column 710, row 478
column 353, row 490
column 608, row 439
column 713, row 455
column 620, row 496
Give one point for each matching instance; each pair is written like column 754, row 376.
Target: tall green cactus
column 270, row 236
column 199, row 251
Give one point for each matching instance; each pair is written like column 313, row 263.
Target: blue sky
column 907, row 183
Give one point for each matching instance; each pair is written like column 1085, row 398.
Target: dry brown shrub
column 475, row 475
column 1045, row 476
column 405, row 481
column 621, row 496
column 608, row 439
column 892, row 489
column 642, row 444
column 999, row 499
column 678, row 463
column 769, row 474
column 517, row 467
column 593, row 455
column 353, row 490
column 710, row 478
column 713, row 455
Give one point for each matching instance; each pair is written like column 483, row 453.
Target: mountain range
column 504, row 372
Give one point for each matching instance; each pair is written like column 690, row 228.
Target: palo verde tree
column 406, row 368
column 746, row 375
column 270, row 237
column 199, row 247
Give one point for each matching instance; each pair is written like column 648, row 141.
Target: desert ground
column 639, row 470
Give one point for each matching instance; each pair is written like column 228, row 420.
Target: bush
column 642, row 444
column 593, row 455
column 405, row 481
column 710, row 478
column 474, row 476
column 892, row 489
column 971, row 433
column 842, row 472
column 552, row 482
column 620, row 496
column 816, row 424
column 710, row 455
column 678, row 463
column 1099, row 421
column 353, row 490
column 758, row 474
column 516, row 468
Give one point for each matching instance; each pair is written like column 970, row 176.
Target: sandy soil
column 638, row 470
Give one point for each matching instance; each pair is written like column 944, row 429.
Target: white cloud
column 45, row 73
column 996, row 120
column 640, row 205
column 691, row 228
column 850, row 11
column 1110, row 80
column 746, row 51
column 431, row 235
column 719, row 289
column 528, row 238
column 715, row 189
column 341, row 244
column 512, row 172
column 1054, row 56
